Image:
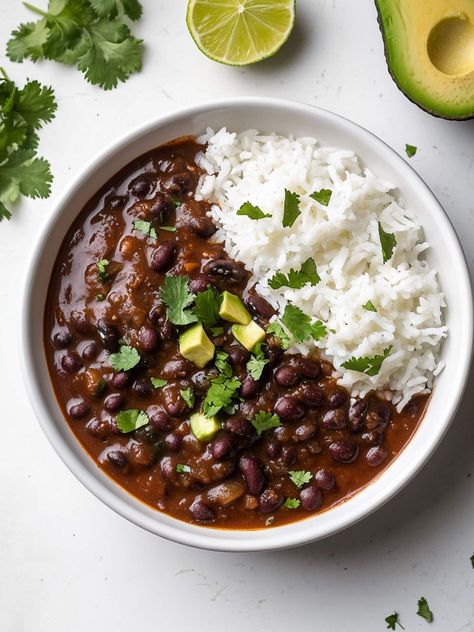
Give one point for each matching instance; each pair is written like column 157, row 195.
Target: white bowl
column 445, row 255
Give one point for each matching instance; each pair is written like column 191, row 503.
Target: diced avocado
column 195, row 345
column 249, row 335
column 430, row 53
column 233, row 310
column 204, row 428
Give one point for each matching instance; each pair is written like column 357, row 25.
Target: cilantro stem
column 36, row 10
column 4, row 73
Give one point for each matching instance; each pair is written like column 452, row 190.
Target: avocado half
column 429, row 47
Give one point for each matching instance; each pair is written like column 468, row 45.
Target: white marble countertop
column 67, row 562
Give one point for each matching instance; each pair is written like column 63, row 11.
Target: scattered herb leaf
column 220, row 395
column 291, row 209
column 392, row 621
column 254, row 212
column 222, row 363
column 169, row 229
column 257, row 362
column 100, row 296
column 277, row 330
column 207, row 306
column 125, row 359
column 424, row 610
column 158, row 383
column 410, row 150
column 102, row 270
column 265, row 421
column 217, row 331
column 323, row 196
column 388, row 242
column 368, row 365
column 176, row 295
column 296, row 279
column 182, row 469
column 132, row 419
column 319, row 330
column 300, row 325
column 110, row 9
column 300, row 477
column 292, row 503
column 188, row 395
column 369, row 306
column 176, row 201
column 145, row 227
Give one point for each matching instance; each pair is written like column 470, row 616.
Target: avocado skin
column 420, row 104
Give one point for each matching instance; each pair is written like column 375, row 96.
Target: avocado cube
column 195, row 345
column 249, row 335
column 233, row 310
column 204, row 428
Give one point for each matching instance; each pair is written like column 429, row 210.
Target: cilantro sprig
column 158, row 382
column 132, row 419
column 369, row 307
column 300, row 326
column 90, row 34
column 207, row 307
column 410, row 150
column 265, row 421
column 188, row 395
column 323, row 196
column 257, row 362
column 102, row 273
column 251, row 211
column 368, row 365
column 146, row 228
column 300, row 477
column 291, row 208
column 292, row 503
column 23, row 111
column 125, row 359
column 392, row 621
column 220, row 395
column 424, row 610
column 296, row 279
column 277, row 330
column 178, row 298
column 388, row 242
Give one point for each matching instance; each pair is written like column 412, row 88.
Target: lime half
column 240, row 32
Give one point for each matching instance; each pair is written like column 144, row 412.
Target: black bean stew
column 252, row 452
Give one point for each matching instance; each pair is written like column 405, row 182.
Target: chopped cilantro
column 217, row 331
column 157, row 383
column 176, row 295
column 292, row 503
column 388, row 242
column 169, row 229
column 296, row 280
column 410, row 150
column 102, row 270
column 100, row 296
column 424, row 610
column 125, row 359
column 145, row 227
column 222, row 363
column 188, row 395
column 207, row 306
column 300, row 325
column 277, row 330
column 132, row 419
column 319, row 330
column 182, row 469
column 369, row 306
column 300, row 477
column 392, row 621
column 323, row 196
column 220, row 394
column 265, row 421
column 291, row 209
column 368, row 365
column 254, row 212
column 176, row 201
column 257, row 362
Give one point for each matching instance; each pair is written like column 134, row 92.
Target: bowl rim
column 204, row 537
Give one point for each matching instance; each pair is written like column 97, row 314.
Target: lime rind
column 240, row 32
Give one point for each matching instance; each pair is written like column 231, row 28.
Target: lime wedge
column 240, row 32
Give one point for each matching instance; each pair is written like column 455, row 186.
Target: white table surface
column 67, row 562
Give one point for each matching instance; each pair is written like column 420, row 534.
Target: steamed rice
column 343, row 240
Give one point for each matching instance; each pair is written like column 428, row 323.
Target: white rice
column 344, row 242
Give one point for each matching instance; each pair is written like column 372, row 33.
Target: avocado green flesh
column 195, row 345
column 249, row 335
column 429, row 47
column 233, row 310
column 204, row 428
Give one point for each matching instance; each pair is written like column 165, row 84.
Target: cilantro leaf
column 369, row 306
column 318, row 330
column 35, row 104
column 254, row 212
column 207, row 307
column 323, row 196
column 291, row 209
column 217, row 331
column 292, row 503
column 257, row 362
column 410, row 150
column 424, row 610
column 132, row 419
column 110, row 9
column 300, row 326
column 102, row 270
column 169, row 229
column 392, row 621
column 222, row 363
column 145, row 227
column 188, row 395
column 300, row 477
column 296, row 280
column 368, row 365
column 125, row 359
column 265, row 421
column 182, row 469
column 176, row 295
column 388, row 242
column 158, row 383
column 277, row 330
column 220, row 394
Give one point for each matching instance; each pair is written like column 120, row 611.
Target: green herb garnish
column 424, row 610
column 89, row 34
column 368, row 365
column 300, row 325
column 265, row 421
column 220, row 395
column 292, row 503
column 291, row 209
column 182, row 469
column 257, row 362
column 176, row 295
column 207, row 306
column 254, row 212
column 296, row 279
column 102, row 270
column 145, row 227
column 323, row 196
column 132, row 419
column 369, row 306
column 100, row 297
column 217, row 331
column 222, row 363
column 300, row 477
column 22, row 113
column 125, row 359
column 157, row 383
column 410, row 150
column 388, row 242
column 392, row 621
column 169, row 229
column 277, row 330
column 188, row 395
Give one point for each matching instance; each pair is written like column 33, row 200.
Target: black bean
column 274, row 354
column 161, row 207
column 79, row 410
column 156, row 312
column 259, row 306
column 376, row 456
column 177, row 183
column 238, row 356
column 71, row 362
column 202, row 226
column 114, row 402
column 307, row 367
column 311, row 498
column 289, row 454
column 62, row 339
column 148, row 339
column 274, row 449
column 337, row 398
column 248, row 410
column 334, row 419
column 311, row 395
column 325, row 479
column 166, row 329
column 249, row 387
column 108, row 335
column 89, row 351
column 173, row 441
column 222, row 446
column 160, row 420
column 167, row 468
column 162, row 257
column 305, row 431
column 270, row 501
column 140, row 186
column 121, row 380
column 99, row 428
column 374, row 437
column 252, row 473
column 143, row 387
column 283, row 434
column 201, row 512
column 200, row 283
column 289, row 408
column 238, row 426
column 344, row 451
column 118, row 459
column 175, row 405
column 384, row 412
column 81, row 324
column 287, row 375
column 177, row 369
column 116, row 202
column 142, row 455
column 357, row 414
column 223, row 269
